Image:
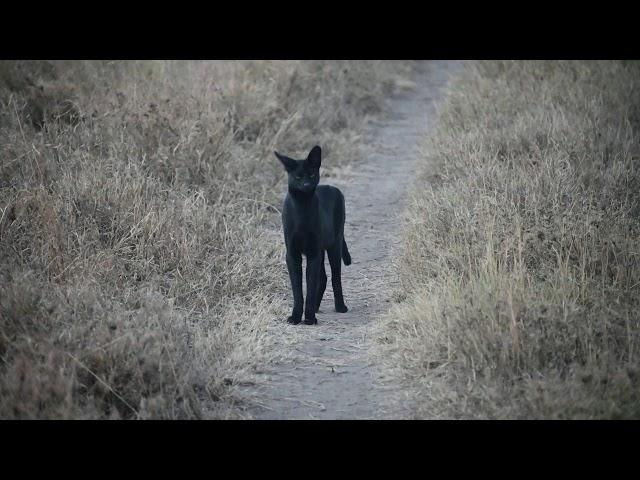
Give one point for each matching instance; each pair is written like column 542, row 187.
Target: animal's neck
column 302, row 198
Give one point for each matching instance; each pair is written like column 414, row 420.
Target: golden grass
column 520, row 259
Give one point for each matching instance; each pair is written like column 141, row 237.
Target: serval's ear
column 289, row 163
column 315, row 156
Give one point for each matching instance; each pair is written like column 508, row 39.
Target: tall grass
column 521, row 247
column 140, row 255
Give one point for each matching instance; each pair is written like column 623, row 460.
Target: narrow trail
column 328, row 374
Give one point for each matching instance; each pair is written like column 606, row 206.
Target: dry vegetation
column 521, row 254
column 140, row 251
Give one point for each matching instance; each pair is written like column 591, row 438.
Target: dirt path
column 327, row 373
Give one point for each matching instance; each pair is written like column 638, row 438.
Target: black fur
column 313, row 222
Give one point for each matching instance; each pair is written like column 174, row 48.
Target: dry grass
column 140, row 251
column 521, row 254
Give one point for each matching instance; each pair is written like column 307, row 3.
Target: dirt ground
column 324, row 371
